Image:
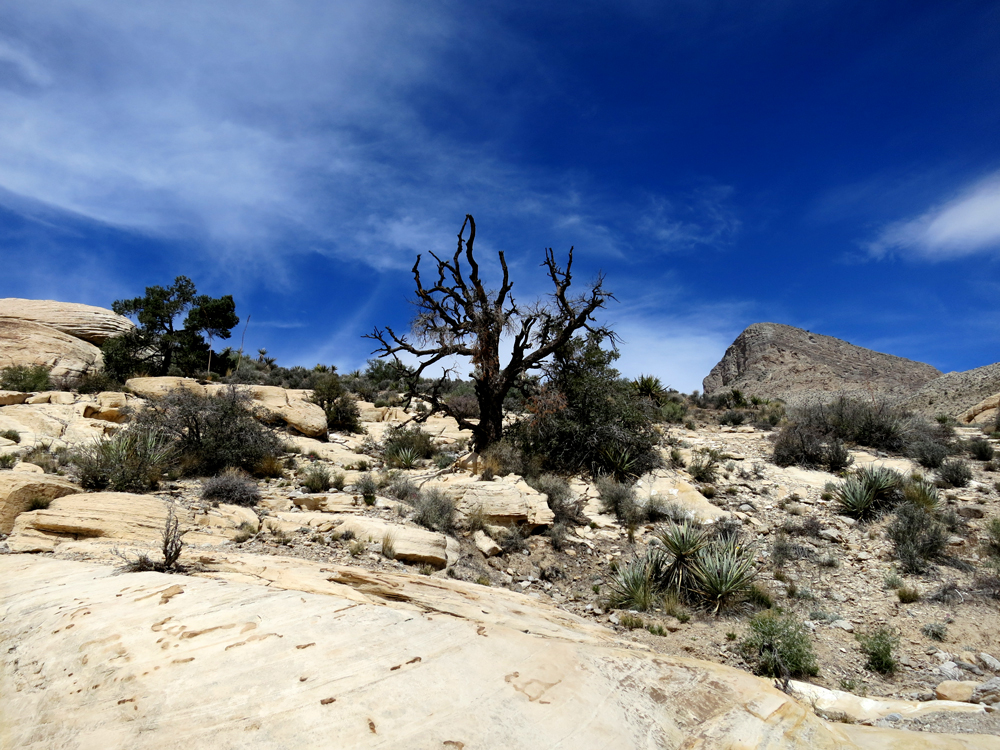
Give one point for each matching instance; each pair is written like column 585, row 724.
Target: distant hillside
column 779, row 361
column 955, row 392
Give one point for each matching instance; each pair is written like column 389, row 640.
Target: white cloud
column 966, row 225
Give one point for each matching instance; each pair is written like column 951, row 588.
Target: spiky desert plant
column 869, row 492
column 634, row 585
column 403, row 457
column 650, row 387
column 921, row 493
column 131, row 460
column 723, row 573
column 682, row 543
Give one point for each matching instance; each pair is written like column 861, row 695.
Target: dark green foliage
column 929, row 454
column 955, row 473
column 879, row 646
column 211, row 433
column 435, row 511
column 634, row 584
column 724, row 571
column 98, row 382
column 409, row 438
column 778, row 645
column 703, row 466
column 673, row 411
column 682, row 544
column 917, row 537
column 231, row 486
column 464, row 405
column 342, row 413
column 317, row 478
column 132, row 460
column 25, row 378
column 12, row 435
column 586, row 417
column 980, row 449
column 7, row 460
column 838, row 458
column 366, row 486
column 733, row 417
column 869, row 492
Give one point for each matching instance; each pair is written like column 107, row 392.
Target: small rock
column 971, row 511
column 955, row 541
column 989, row 662
column 988, row 692
column 486, row 545
column 843, row 625
column 830, row 534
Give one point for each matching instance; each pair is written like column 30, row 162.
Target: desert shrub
column 501, row 459
column 7, row 460
column 464, row 405
column 920, row 493
column 317, row 478
column 98, row 382
column 703, row 466
column 991, row 537
column 435, row 511
column 131, row 460
column 778, row 645
column 343, row 415
column 917, row 537
column 404, row 489
column 366, row 486
column 673, row 411
column 211, row 433
column 733, row 417
column 402, row 458
column 936, row 631
column 955, row 473
column 13, row 435
column 271, row 466
column 869, row 492
column 907, row 595
column 560, row 498
column 838, row 457
column 981, row 450
column 929, row 454
column 25, row 378
column 879, row 646
column 618, row 498
column 231, row 486
column 783, row 550
column 511, row 539
column 799, row 445
column 409, row 438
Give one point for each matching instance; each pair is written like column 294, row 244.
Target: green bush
column 7, row 460
column 435, row 511
column 869, row 492
column 12, row 435
column 724, row 572
column 131, row 460
column 682, row 543
column 25, row 378
column 409, row 438
column 634, row 586
column 929, row 454
column 366, row 486
column 231, row 486
column 980, row 449
column 917, row 537
column 317, row 478
column 955, row 473
column 778, row 645
column 619, row 498
column 560, row 498
column 879, row 646
column 98, row 382
column 920, row 493
column 703, row 466
column 211, row 433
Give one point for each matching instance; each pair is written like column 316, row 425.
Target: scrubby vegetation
column 778, row 645
column 25, row 378
column 132, row 460
column 231, row 486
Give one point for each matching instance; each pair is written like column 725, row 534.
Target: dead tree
column 458, row 316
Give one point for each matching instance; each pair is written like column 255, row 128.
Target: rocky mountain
column 958, row 392
column 778, row 361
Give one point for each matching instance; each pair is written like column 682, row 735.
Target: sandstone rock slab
column 871, row 709
column 955, row 690
column 506, row 500
column 660, row 487
column 93, row 324
column 173, row 662
column 18, row 490
column 410, row 545
column 23, row 342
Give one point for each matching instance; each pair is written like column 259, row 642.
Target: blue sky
column 829, row 165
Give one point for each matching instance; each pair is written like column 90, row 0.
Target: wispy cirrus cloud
column 966, row 225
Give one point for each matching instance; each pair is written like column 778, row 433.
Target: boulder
column 12, row 397
column 160, row 387
column 505, row 500
column 103, row 516
column 486, row 545
column 93, row 324
column 411, row 545
column 864, row 709
column 955, row 690
column 18, row 490
column 672, row 491
column 988, row 692
column 358, row 658
column 983, row 412
column 23, row 342
column 109, row 406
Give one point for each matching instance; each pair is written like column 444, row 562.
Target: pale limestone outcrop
column 19, row 489
column 357, row 659
column 107, row 517
column 955, row 690
column 12, row 397
column 23, row 342
column 53, row 424
column 276, row 404
column 504, row 500
column 93, row 324
column 410, row 545
column 109, row 406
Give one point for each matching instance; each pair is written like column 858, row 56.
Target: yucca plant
column 404, row 458
column 634, row 584
column 723, row 573
column 921, row 493
column 132, row 460
column 682, row 543
column 650, row 387
column 869, row 492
